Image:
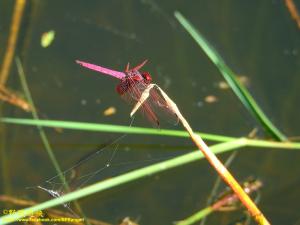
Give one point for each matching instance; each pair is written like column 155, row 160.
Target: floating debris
column 199, row 104
column 243, row 79
column 210, row 99
column 253, row 133
column 223, row 85
column 110, row 111
column 128, row 221
column 83, row 102
column 98, row 101
column 47, row 38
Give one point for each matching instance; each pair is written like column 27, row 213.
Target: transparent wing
column 155, row 108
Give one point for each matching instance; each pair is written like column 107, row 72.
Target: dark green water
column 257, row 39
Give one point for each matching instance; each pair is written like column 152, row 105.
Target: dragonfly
column 132, row 86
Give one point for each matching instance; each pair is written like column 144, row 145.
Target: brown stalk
column 8, row 96
column 12, row 40
column 210, row 156
column 293, row 11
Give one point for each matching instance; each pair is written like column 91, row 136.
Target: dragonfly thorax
column 147, row 77
column 133, row 77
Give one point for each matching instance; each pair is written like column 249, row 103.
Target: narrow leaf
column 96, row 127
column 241, row 92
column 125, row 178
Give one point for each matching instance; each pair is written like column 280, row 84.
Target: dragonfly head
column 147, row 77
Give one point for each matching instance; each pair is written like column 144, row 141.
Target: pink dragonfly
column 132, row 85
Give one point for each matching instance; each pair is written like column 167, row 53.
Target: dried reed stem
column 211, row 157
column 12, row 40
column 293, row 11
column 8, row 96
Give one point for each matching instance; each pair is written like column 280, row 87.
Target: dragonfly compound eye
column 147, row 77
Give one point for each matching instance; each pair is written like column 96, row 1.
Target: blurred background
column 259, row 40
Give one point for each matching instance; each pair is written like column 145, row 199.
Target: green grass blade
column 95, row 127
column 196, row 217
column 36, row 117
column 43, row 135
column 125, row 178
column 241, row 92
column 111, row 128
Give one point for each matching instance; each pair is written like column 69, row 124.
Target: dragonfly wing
column 161, row 107
column 133, row 95
column 155, row 107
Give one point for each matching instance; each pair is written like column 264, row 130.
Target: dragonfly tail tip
column 79, row 62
